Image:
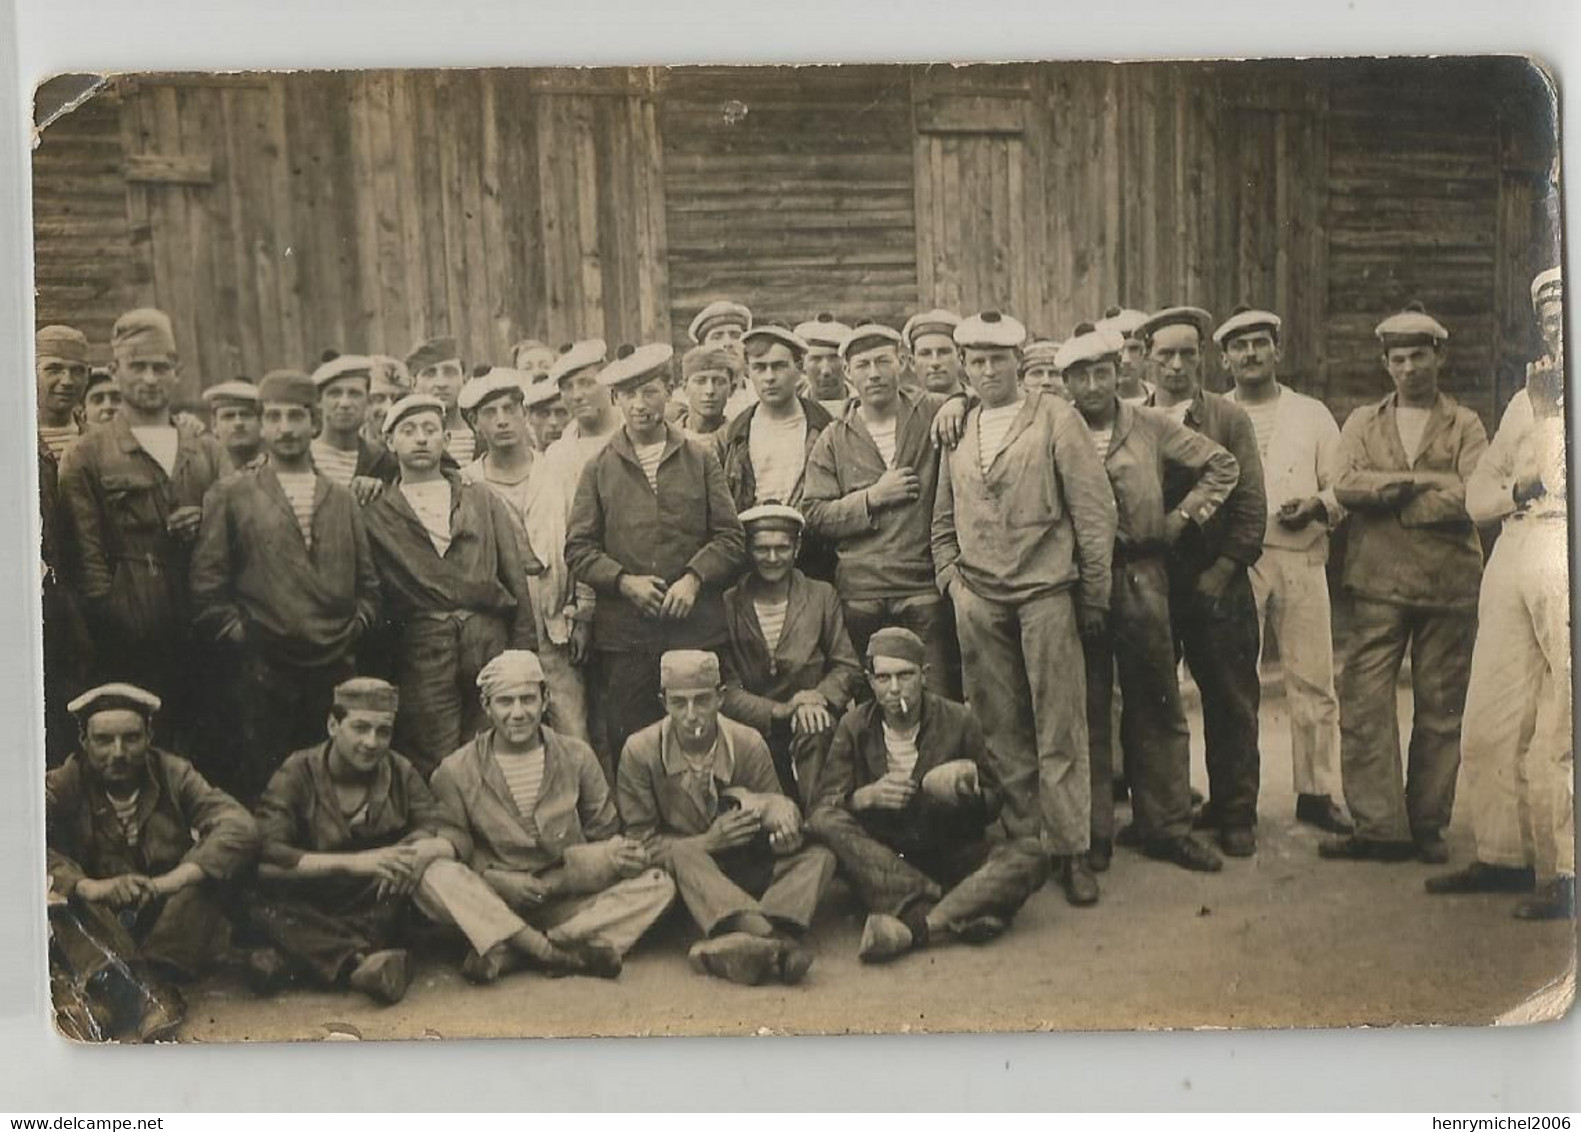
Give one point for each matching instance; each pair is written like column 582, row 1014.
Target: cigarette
column 902, row 705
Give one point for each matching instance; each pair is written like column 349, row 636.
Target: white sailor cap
column 539, row 391
column 232, row 392
column 1413, row 326
column 868, row 335
column 720, row 311
column 1244, row 320
column 1122, row 320
column 111, row 697
column 781, row 334
column 990, row 329
column 1175, row 316
column 1089, row 343
column 636, row 365
column 344, row 365
column 1548, row 285
column 772, row 516
column 411, row 404
column 936, row 321
column 578, row 356
column 499, row 381
column 824, row 330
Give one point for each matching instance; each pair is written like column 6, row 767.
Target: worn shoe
column 383, row 976
column 1431, row 850
column 1187, row 852
column 1100, row 855
column 736, row 957
column 162, row 1016
column 1556, row 900
column 1238, row 841
column 794, row 961
column 1478, row 877
column 883, row 938
column 1319, row 810
column 494, row 964
column 1129, row 836
column 591, row 957
column 1365, row 849
column 266, row 971
column 1081, row 887
column 981, row 929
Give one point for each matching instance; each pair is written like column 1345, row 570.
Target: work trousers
column 567, row 690
column 1291, row 591
column 928, row 616
column 1220, row 642
column 798, row 759
column 1385, row 805
column 437, row 673
column 1026, row 679
column 326, row 937
column 716, row 888
column 617, row 915
column 279, row 708
column 1517, row 758
column 963, row 879
column 628, row 696
column 181, row 934
column 1154, row 738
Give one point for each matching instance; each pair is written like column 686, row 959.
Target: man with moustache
column 1413, row 565
column 928, row 338
column 235, row 423
column 283, row 579
column 437, row 371
column 340, row 451
column 708, row 374
column 654, row 532
column 60, row 367
column 823, row 368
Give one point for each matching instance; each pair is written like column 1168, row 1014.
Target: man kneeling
column 352, row 838
column 701, row 790
column 544, row 834
column 905, row 796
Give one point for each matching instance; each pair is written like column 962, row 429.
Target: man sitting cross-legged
column 542, row 826
column 904, row 799
column 351, row 839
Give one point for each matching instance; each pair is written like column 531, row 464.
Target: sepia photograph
column 840, row 549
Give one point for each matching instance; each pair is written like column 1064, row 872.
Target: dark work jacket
column 735, row 453
column 1236, row 529
column 381, row 464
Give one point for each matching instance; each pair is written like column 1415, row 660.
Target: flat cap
column 936, row 321
column 990, row 329
column 232, row 393
column 114, row 697
column 410, row 405
column 682, row 670
column 898, row 644
column 636, row 365
column 1413, row 326
column 1244, row 320
column 432, row 351
column 510, row 669
column 1088, row 343
column 709, row 359
column 1039, row 352
column 773, row 517
column 287, row 386
column 367, row 693
column 1176, row 316
column 1547, row 285
column 721, row 312
column 823, row 330
column 1122, row 320
column 578, row 356
column 772, row 332
column 64, row 342
column 346, row 365
column 143, row 333
column 868, row 335
column 499, row 381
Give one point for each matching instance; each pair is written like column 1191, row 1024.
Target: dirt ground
column 1283, row 939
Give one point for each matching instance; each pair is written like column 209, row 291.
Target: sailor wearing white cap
column 1133, row 388
column 824, row 366
column 930, row 343
column 235, row 421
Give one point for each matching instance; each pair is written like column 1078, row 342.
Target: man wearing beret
column 340, row 451
column 541, row 824
column 1133, row 389
column 823, row 367
column 282, row 578
column 1413, row 565
column 61, row 368
column 234, row 421
column 140, row 849
column 1517, row 758
column 1210, row 600
column 930, row 344
column 791, row 669
column 708, row 374
column 436, row 369
column 654, row 531
column 454, row 580
column 700, row 791
column 1138, row 450
column 905, row 799
column 547, row 415
column 133, row 495
column 723, row 323
column 352, row 841
column 390, row 382
column 870, row 486
column 1023, row 534
column 1298, row 444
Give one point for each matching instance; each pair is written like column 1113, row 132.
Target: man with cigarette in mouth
column 904, row 800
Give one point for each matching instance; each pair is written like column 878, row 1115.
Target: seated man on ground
column 905, row 799
column 542, row 825
column 139, row 849
column 352, row 839
column 700, row 789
